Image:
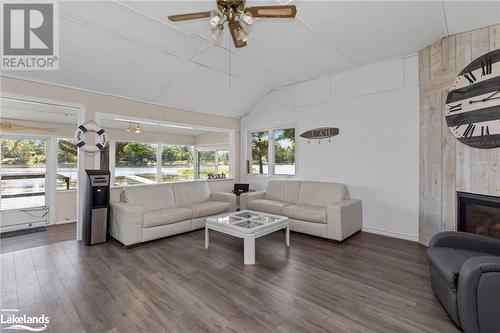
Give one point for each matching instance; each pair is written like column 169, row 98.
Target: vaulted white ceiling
column 130, row 49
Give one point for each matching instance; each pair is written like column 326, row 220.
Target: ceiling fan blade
column 235, row 29
column 189, row 16
column 286, row 11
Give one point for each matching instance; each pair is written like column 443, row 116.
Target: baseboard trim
column 391, row 234
column 65, row 222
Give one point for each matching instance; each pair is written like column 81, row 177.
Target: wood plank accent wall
column 447, row 165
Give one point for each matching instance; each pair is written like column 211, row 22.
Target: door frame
column 80, row 159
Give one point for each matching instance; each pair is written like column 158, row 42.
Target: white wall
column 211, row 138
column 65, row 208
column 376, row 154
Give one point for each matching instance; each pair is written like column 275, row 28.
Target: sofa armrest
column 466, row 241
column 126, row 223
column 344, row 218
column 230, row 198
column 478, row 294
column 246, row 197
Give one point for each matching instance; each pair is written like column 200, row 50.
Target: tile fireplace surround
column 479, row 214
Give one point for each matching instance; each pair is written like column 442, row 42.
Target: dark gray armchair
column 465, row 276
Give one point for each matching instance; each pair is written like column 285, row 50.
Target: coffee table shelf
column 248, row 225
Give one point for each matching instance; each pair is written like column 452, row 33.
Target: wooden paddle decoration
column 320, row 133
column 8, row 126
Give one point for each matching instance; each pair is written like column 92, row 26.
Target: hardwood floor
column 53, row 234
column 368, row 284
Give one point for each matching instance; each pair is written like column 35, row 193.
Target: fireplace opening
column 478, row 214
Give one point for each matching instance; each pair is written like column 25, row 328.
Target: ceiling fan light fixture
column 217, row 33
column 246, row 18
column 238, row 17
column 214, row 21
column 247, row 28
column 134, row 128
column 243, row 35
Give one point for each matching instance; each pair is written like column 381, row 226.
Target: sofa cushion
column 447, row 262
column 191, row 192
column 149, row 197
column 166, row 216
column 283, row 190
column 267, row 206
column 321, row 193
column 208, row 208
column 305, row 213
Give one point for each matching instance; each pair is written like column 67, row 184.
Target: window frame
column 274, row 152
column 159, row 160
column 216, row 149
column 56, row 147
column 271, row 151
column 159, row 157
column 250, row 153
column 113, row 157
column 50, row 163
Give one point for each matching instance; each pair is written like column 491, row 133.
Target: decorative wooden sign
column 216, row 175
column 320, row 133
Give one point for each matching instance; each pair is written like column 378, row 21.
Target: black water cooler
column 96, row 219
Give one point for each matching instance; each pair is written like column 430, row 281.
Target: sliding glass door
column 23, row 170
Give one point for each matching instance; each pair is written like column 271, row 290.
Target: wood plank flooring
column 368, row 284
column 53, row 234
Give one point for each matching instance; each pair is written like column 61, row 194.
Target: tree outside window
column 206, row 163
column 135, row 163
column 260, row 152
column 223, row 161
column 284, row 151
column 177, row 163
column 67, row 170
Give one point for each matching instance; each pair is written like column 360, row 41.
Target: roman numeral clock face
column 473, row 103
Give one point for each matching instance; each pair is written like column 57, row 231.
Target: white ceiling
column 151, row 127
column 130, row 49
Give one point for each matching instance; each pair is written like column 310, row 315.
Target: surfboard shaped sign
column 320, row 133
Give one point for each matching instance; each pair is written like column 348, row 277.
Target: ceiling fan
column 238, row 17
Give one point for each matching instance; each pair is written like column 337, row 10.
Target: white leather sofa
column 148, row 212
column 316, row 208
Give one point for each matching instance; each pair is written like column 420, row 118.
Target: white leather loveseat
column 148, row 212
column 316, row 208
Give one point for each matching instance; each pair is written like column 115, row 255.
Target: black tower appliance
column 96, row 207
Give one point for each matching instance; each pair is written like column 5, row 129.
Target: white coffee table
column 248, row 225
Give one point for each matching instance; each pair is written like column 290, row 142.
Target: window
column 23, row 169
column 67, row 170
column 177, row 163
column 282, row 147
column 212, row 161
column 260, row 152
column 223, row 161
column 135, row 163
column 284, row 151
column 206, row 163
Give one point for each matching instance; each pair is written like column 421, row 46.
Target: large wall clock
column 473, row 103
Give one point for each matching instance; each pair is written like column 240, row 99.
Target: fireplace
column 478, row 214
